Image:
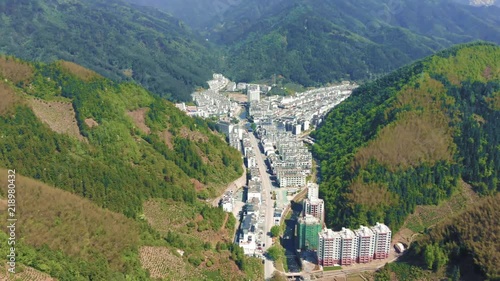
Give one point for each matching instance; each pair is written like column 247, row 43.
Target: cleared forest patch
column 427, row 216
column 139, row 118
column 7, row 97
column 168, row 215
column 421, row 133
column 192, row 135
column 60, row 116
column 371, row 195
column 78, row 70
column 15, row 70
column 25, row 273
column 162, row 263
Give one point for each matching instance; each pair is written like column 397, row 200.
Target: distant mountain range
column 309, row 43
column 323, row 41
column 118, row 40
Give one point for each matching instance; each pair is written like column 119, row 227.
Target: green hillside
column 120, row 41
column 113, row 143
column 463, row 247
column 318, row 42
column 409, row 138
column 64, row 236
column 109, row 149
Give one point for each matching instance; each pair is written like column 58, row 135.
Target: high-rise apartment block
column 313, row 205
column 346, row 247
column 307, row 230
column 383, row 236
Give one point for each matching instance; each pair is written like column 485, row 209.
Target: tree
column 275, row 231
column 429, row 256
column 274, row 253
column 455, row 274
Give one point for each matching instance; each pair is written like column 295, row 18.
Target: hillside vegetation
column 466, row 235
column 92, row 225
column 325, row 41
column 463, row 247
column 70, row 238
column 112, row 162
column 411, row 137
column 117, row 40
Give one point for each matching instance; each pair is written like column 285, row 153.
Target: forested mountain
column 115, row 147
column 409, row 138
column 118, row 40
column 467, row 237
column 323, row 41
column 197, row 13
column 114, row 143
column 462, row 247
column 310, row 43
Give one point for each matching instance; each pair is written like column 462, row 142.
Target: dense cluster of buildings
column 211, row 103
column 251, row 228
column 287, row 156
column 302, row 111
column 342, row 247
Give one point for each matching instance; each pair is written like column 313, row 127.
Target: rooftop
column 346, row 233
column 363, row 231
column 380, row 228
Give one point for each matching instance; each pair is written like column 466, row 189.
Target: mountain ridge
column 306, row 43
column 118, row 40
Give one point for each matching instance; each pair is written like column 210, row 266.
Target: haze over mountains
column 310, row 43
column 118, row 40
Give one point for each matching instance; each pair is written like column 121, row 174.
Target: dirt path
column 225, row 221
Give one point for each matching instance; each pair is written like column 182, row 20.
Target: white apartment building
column 347, row 247
column 290, row 177
column 329, row 247
column 315, row 207
column 349, row 251
column 366, row 244
column 292, row 180
column 312, row 191
column 253, row 93
column 383, row 236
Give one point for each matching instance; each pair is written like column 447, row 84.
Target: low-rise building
column 247, row 237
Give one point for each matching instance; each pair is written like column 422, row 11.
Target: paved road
column 269, row 208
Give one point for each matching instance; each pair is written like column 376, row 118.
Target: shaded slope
column 117, row 40
column 325, row 41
